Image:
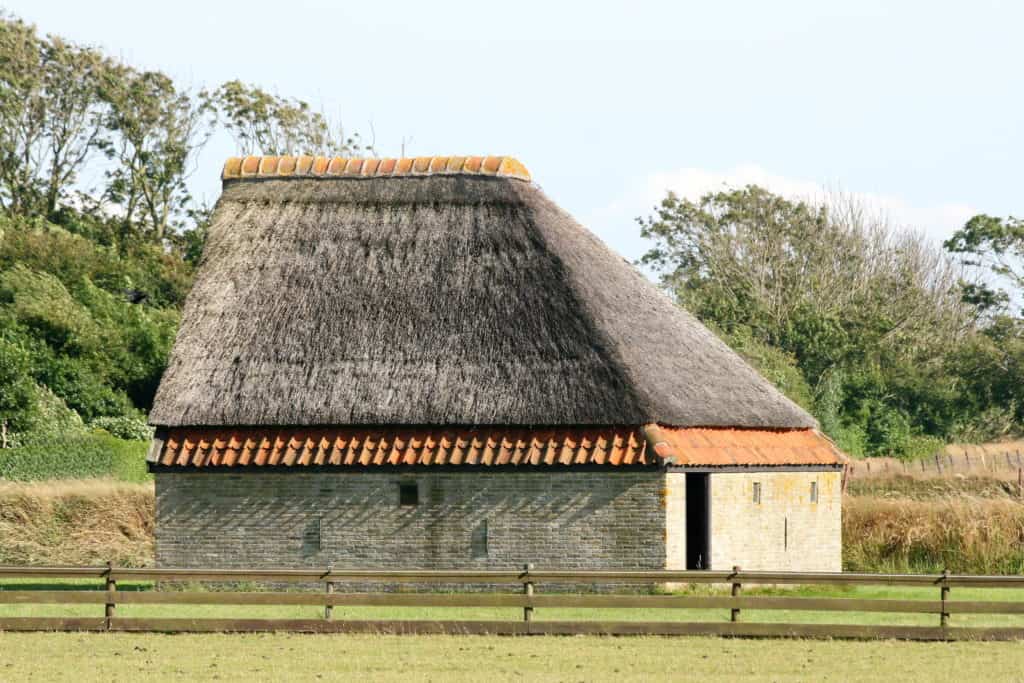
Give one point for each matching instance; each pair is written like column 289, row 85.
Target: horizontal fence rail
column 527, row 581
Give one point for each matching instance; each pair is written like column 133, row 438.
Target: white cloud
column 615, row 222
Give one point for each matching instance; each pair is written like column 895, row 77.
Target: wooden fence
column 524, row 593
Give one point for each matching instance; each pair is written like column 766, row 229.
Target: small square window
column 408, row 494
column 814, row 492
column 757, row 492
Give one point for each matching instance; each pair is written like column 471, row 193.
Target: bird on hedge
column 135, row 296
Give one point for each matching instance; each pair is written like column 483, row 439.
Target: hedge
column 78, row 456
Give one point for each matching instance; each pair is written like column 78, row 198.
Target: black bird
column 135, row 296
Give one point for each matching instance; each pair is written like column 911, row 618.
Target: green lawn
column 483, row 613
column 290, row 657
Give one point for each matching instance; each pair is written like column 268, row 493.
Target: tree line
column 897, row 345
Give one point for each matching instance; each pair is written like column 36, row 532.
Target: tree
column 51, row 115
column 996, row 245
column 262, row 123
column 22, row 115
column 800, row 275
column 157, row 132
column 72, row 77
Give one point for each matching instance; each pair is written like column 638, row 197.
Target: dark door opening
column 698, row 520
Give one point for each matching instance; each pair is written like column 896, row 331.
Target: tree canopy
column 865, row 325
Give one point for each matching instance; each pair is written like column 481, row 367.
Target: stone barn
column 426, row 363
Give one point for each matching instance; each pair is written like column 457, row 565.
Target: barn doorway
column 698, row 520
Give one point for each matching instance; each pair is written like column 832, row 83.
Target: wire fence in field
column 1007, row 465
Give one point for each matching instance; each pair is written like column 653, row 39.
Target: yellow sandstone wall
column 785, row 532
column 674, row 497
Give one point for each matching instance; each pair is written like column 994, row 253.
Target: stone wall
column 675, row 515
column 464, row 520
column 785, row 531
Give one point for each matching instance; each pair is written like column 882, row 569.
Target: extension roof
column 434, row 292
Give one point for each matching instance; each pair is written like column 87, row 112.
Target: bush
column 17, row 390
column 918, row 447
column 50, row 419
column 75, row 456
column 128, row 428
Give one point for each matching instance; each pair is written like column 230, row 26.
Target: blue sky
column 917, row 106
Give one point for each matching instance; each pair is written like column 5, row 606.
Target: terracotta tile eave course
column 652, row 445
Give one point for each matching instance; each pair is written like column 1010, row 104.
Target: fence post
column 527, row 591
column 329, row 608
column 111, row 594
column 736, row 587
column 944, row 594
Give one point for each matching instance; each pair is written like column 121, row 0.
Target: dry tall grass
column 960, row 531
column 76, row 522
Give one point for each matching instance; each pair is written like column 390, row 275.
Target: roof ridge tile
column 306, row 166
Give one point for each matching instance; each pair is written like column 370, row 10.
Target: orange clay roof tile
column 336, row 166
column 490, row 165
column 370, row 167
column 421, row 165
column 320, row 165
column 403, row 166
column 268, row 166
column 354, row 167
column 249, row 166
column 712, row 447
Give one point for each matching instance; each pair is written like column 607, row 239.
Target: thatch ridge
column 448, row 299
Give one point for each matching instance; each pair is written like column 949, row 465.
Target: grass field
column 280, row 657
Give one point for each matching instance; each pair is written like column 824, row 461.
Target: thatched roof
column 444, row 296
